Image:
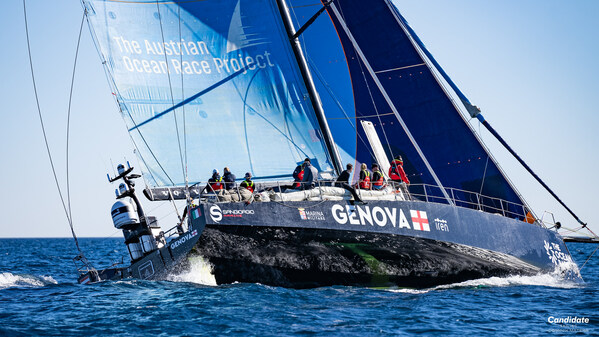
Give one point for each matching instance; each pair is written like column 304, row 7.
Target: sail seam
column 366, row 116
column 390, row 102
column 400, row 68
column 377, row 115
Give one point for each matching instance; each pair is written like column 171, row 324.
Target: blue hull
column 383, row 243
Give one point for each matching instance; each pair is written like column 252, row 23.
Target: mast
column 307, row 76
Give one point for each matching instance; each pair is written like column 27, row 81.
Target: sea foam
column 9, row 280
column 199, row 272
column 554, row 280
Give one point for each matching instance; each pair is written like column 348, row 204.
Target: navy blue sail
column 447, row 142
column 207, row 84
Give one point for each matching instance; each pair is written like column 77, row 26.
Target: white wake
column 199, row 272
column 552, row 280
column 9, row 280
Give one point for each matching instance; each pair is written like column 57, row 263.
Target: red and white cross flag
column 420, row 221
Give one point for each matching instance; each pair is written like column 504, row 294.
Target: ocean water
column 39, row 295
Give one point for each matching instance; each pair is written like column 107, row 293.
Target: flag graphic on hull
column 420, row 221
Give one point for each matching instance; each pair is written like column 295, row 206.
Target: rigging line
column 168, row 74
column 378, row 115
column 247, row 143
column 157, row 207
column 383, row 91
column 334, row 97
column 311, row 20
column 185, row 169
column 471, row 109
column 39, row 110
column 521, row 161
column 116, row 94
column 304, row 48
column 278, row 130
column 310, row 5
column 482, row 183
column 145, row 163
column 585, row 262
column 306, row 76
column 148, row 146
column 69, row 114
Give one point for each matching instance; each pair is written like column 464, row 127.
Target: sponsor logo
column 302, row 214
column 420, row 221
column 217, row 214
column 379, row 216
column 311, row 215
column 555, row 254
column 146, row 270
column 441, row 225
column 184, row 239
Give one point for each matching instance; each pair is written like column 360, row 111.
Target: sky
column 530, row 65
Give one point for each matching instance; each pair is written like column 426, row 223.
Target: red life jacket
column 396, row 171
column 248, row 185
column 365, row 183
column 300, row 176
column 393, row 173
column 217, row 185
column 380, row 181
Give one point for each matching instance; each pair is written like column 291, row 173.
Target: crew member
column 247, row 183
column 298, row 174
column 396, row 172
column 378, row 181
column 215, row 183
column 310, row 175
column 343, row 181
column 364, row 182
column 398, row 176
column 229, row 179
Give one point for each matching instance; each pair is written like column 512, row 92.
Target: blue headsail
column 207, row 84
column 446, row 140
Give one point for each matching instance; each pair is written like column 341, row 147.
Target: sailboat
column 203, row 85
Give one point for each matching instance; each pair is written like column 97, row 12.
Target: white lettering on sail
column 153, row 57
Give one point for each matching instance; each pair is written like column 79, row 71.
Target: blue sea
column 39, row 295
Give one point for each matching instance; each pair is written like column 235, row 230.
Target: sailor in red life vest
column 364, row 182
column 248, row 184
column 396, row 172
column 298, row 174
column 378, row 181
column 216, row 181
